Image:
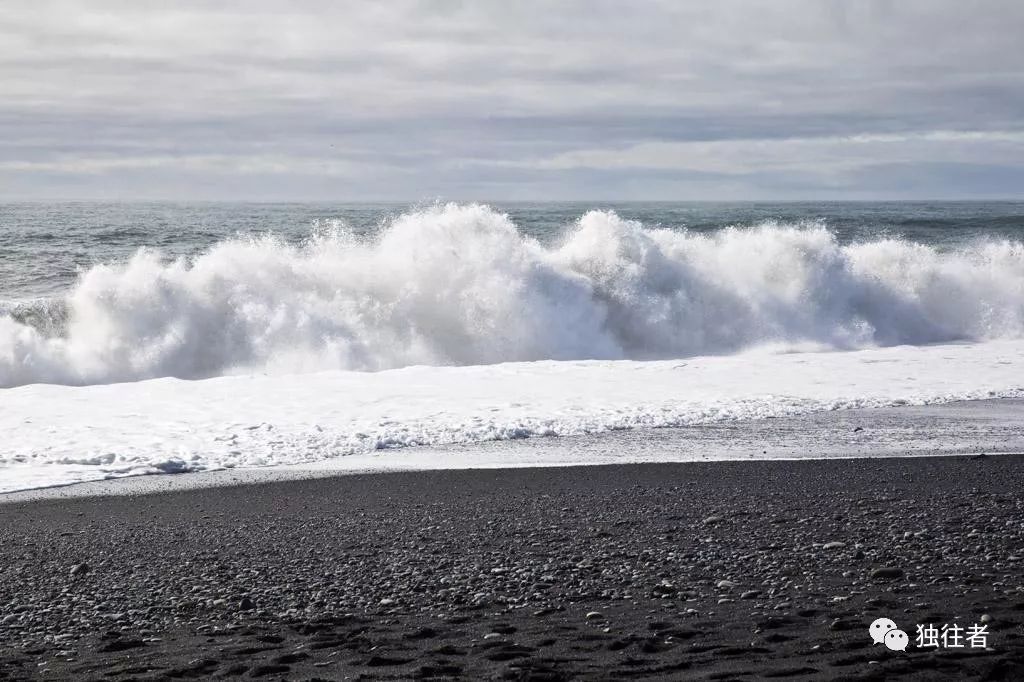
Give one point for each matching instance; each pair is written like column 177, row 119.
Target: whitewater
column 450, row 325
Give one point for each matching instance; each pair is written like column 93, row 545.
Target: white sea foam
column 62, row 434
column 472, row 332
column 459, row 285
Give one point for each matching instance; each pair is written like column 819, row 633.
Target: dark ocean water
column 43, row 247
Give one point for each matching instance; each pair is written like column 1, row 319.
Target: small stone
column 985, row 618
column 713, row 519
column 839, row 625
column 595, row 615
column 751, row 594
column 725, row 584
column 835, row 544
column 889, row 573
column 492, row 635
column 386, row 602
column 246, row 604
column 80, row 569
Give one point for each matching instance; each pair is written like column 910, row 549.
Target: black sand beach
column 740, row 570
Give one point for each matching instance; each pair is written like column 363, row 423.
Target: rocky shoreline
column 728, row 570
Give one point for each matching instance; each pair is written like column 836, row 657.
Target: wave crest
column 459, row 284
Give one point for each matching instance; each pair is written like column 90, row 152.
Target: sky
column 479, row 100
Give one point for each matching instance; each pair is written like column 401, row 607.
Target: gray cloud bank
column 277, row 100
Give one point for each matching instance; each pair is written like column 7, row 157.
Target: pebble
column 889, row 573
column 80, row 569
column 840, row 625
column 164, row 584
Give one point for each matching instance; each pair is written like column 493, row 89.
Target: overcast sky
column 412, row 100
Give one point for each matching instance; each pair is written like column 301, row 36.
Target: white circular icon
column 896, row 640
column 880, row 628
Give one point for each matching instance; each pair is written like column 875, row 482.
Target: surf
column 460, row 284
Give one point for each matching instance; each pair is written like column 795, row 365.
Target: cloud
column 406, row 99
column 826, row 155
column 210, row 163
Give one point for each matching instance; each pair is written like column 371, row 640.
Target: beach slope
column 719, row 570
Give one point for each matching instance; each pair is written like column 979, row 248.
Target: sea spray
column 460, row 285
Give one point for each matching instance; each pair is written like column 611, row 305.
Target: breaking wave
column 460, row 285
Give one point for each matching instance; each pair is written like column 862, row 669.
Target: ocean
column 169, row 338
